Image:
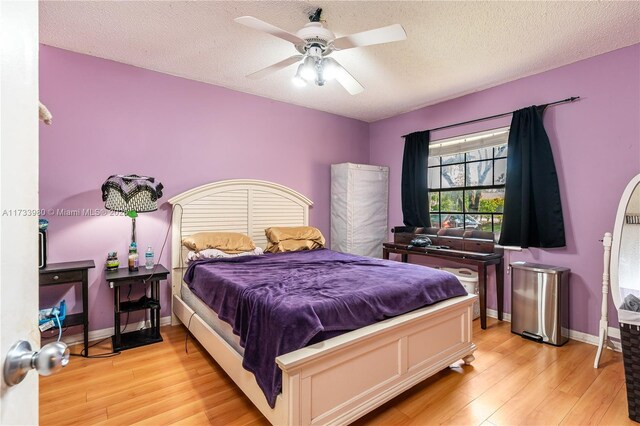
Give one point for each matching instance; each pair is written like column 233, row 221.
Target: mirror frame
column 617, row 238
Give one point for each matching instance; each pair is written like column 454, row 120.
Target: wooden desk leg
column 482, row 286
column 405, row 257
column 85, row 311
column 385, row 254
column 500, row 287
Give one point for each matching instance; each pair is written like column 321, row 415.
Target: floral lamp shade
column 131, row 194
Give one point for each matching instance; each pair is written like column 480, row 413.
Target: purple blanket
column 278, row 303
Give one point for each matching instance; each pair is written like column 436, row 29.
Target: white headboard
column 239, row 205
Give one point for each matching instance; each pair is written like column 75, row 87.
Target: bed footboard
column 341, row 379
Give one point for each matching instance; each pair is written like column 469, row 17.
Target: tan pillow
column 292, row 245
column 293, row 238
column 228, row 242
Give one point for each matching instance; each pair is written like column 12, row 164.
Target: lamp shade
column 131, row 193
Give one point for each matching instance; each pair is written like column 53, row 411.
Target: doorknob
column 20, row 359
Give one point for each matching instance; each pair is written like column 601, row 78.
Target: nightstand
column 123, row 277
column 72, row 273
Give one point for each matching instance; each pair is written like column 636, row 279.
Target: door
column 18, row 200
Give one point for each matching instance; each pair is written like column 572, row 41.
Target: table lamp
column 131, row 194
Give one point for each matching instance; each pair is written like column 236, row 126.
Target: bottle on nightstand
column 133, row 257
column 148, row 258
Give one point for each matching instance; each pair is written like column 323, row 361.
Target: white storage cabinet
column 359, row 205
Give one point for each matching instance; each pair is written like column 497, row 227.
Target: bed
column 334, row 381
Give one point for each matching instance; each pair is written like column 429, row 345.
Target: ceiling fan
column 315, row 43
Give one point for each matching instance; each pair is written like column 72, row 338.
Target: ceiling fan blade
column 275, row 67
column 346, row 80
column 367, row 38
column 259, row 25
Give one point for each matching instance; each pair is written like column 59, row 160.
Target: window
column 467, row 178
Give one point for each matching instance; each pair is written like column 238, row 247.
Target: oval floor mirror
column 625, row 288
column 625, row 255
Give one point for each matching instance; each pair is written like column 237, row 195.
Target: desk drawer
column 479, row 246
column 453, row 243
column 60, row 277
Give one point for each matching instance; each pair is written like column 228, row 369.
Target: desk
column 70, row 273
column 479, row 260
column 123, row 276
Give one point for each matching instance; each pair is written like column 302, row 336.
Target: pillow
column 292, row 245
column 293, row 238
column 228, row 242
column 219, row 254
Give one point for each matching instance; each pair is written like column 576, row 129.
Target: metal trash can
column 540, row 302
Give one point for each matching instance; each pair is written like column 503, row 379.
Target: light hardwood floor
column 512, row 381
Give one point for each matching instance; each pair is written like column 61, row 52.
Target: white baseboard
column 613, row 341
column 95, row 335
column 614, row 333
column 494, row 314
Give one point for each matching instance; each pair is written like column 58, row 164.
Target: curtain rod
column 491, row 117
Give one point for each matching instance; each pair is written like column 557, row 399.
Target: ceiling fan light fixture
column 297, row 79
column 307, row 69
column 329, row 69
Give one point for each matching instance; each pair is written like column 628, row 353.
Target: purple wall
column 595, row 141
column 113, row 118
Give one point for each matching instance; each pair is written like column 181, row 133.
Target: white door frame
column 18, row 200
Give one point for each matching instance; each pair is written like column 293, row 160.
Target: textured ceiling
column 453, row 48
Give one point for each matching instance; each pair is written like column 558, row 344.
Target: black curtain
column 532, row 207
column 415, row 191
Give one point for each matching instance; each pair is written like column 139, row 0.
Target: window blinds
column 470, row 142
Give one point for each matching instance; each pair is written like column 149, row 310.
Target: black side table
column 122, row 277
column 70, row 273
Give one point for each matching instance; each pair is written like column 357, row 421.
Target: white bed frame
column 340, row 379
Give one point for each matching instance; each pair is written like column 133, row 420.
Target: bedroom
column 160, row 89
